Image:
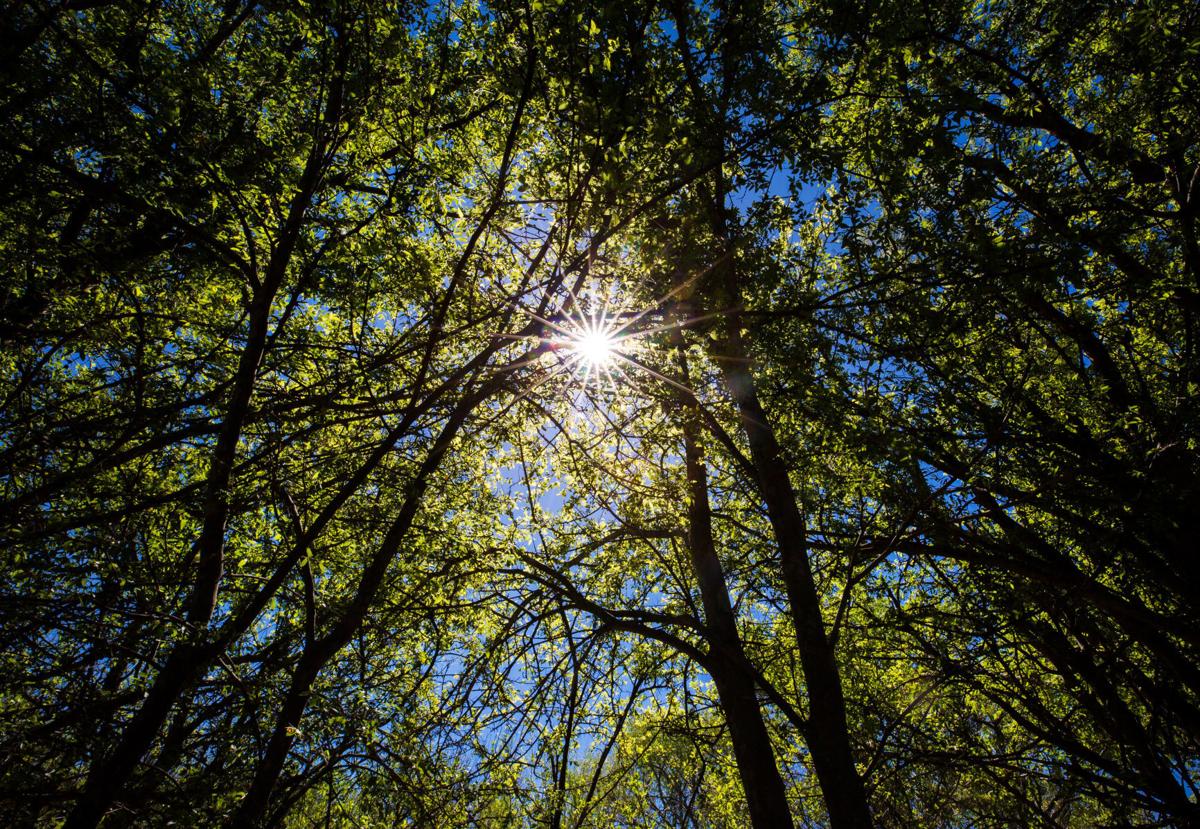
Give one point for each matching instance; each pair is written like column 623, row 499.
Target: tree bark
column 766, row 793
column 828, row 735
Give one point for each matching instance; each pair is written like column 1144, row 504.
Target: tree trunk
column 318, row 652
column 828, row 735
column 766, row 793
column 188, row 659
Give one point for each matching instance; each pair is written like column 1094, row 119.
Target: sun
column 595, row 347
column 590, row 343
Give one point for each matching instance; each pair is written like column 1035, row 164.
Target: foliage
column 315, row 512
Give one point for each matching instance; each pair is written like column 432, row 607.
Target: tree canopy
column 691, row 414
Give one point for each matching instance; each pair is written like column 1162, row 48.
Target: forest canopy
column 773, row 413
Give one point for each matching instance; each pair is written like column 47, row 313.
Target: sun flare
column 595, row 347
column 590, row 340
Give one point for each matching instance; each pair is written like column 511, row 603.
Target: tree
column 590, row 414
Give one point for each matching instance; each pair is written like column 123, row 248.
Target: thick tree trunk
column 318, row 652
column 108, row 776
column 828, row 735
column 765, row 791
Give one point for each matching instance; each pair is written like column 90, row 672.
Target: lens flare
column 595, row 347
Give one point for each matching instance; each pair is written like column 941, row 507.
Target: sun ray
column 525, row 394
column 659, row 303
column 672, row 326
column 655, row 374
column 564, row 330
column 528, row 361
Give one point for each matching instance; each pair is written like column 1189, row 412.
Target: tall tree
column 532, row 413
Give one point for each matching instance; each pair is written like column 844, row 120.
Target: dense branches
column 689, row 414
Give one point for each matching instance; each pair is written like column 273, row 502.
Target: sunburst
column 588, row 340
column 596, row 343
column 595, row 346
